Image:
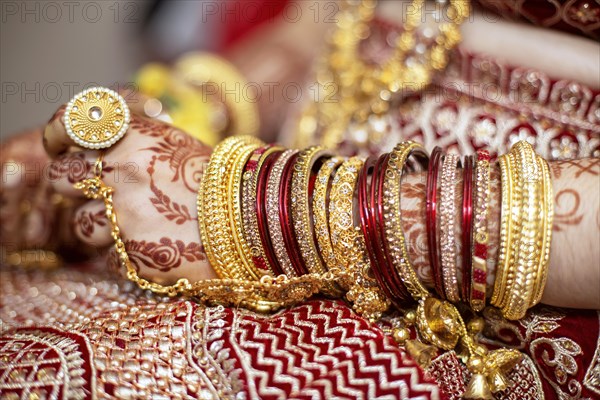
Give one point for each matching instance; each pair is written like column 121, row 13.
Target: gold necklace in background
column 351, row 91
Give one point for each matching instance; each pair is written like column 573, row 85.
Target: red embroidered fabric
column 79, row 333
column 581, row 17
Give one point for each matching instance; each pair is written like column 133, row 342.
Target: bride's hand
column 155, row 170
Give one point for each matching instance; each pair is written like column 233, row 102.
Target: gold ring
column 96, row 118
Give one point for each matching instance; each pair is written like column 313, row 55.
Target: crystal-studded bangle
column 431, row 220
column 262, row 212
column 213, row 213
column 320, row 199
column 480, row 234
column 285, row 218
column 250, row 210
column 393, row 279
column 301, row 206
column 349, row 243
column 274, row 222
column 448, row 227
column 234, row 202
column 395, row 240
column 467, row 227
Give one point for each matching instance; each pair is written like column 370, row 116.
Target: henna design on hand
column 581, row 167
column 87, row 220
column 185, row 155
column 566, row 211
column 164, row 255
column 147, row 126
column 179, row 213
column 74, row 167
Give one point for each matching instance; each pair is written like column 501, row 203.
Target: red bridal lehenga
column 79, row 332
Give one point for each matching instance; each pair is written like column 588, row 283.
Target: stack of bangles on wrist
column 279, row 226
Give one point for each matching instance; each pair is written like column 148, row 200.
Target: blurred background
column 51, row 50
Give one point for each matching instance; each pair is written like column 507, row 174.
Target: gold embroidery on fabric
column 526, row 382
column 29, row 370
column 592, row 375
column 500, row 331
column 214, row 357
column 562, row 361
column 450, row 374
column 145, row 351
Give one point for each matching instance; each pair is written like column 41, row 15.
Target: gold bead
column 410, row 317
column 476, row 325
column 401, row 335
column 475, row 364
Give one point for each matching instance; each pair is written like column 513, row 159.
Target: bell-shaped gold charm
column 421, row 352
column 478, row 388
column 497, row 380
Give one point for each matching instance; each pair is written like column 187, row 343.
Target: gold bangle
column 447, row 227
column 344, row 236
column 528, row 247
column 548, row 217
column 349, row 244
column 393, row 217
column 273, row 220
column 301, row 207
column 234, row 204
column 508, row 199
column 249, row 214
column 213, row 213
column 199, row 69
column 320, row 196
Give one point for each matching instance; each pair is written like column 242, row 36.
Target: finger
column 38, row 221
column 12, row 194
column 70, row 168
column 91, row 225
column 56, row 140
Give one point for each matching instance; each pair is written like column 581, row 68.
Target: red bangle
column 400, row 292
column 431, row 221
column 287, row 227
column 365, row 223
column 249, row 211
column 261, row 212
column 467, row 228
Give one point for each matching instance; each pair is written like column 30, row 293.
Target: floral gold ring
column 96, row 118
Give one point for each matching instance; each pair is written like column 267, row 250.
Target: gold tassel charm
column 478, row 388
column 440, row 323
